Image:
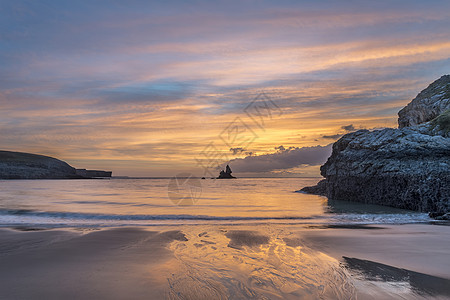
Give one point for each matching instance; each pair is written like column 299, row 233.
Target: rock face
column 18, row 165
column 430, row 103
column 406, row 168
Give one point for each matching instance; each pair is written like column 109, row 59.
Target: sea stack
column 226, row 174
column 408, row 167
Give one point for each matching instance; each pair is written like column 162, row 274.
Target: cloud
column 333, row 137
column 159, row 80
column 146, row 92
column 282, row 159
column 348, row 127
column 237, row 150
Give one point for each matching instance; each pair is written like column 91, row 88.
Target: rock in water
column 226, row 174
column 406, row 168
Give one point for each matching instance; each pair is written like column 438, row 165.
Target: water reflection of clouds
column 245, row 264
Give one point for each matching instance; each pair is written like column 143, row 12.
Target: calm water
column 116, row 202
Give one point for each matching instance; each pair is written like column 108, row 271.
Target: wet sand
column 106, row 264
column 227, row 262
column 419, row 247
column 390, row 261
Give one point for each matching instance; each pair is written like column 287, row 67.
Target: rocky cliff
column 408, row 167
column 430, row 103
column 18, row 165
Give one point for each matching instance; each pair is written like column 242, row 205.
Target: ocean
column 182, row 200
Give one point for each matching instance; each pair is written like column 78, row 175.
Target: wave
column 84, row 216
column 8, row 216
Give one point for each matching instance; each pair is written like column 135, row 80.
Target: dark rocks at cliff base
column 319, row 189
column 440, row 216
column 406, row 168
column 226, row 174
column 18, row 165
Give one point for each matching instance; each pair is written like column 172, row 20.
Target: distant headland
column 19, row 165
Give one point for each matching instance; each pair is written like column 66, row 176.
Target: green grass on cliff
column 442, row 121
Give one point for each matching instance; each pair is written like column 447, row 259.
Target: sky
column 158, row 88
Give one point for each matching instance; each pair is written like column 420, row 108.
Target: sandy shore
column 227, row 262
column 388, row 257
column 418, row 247
column 106, row 264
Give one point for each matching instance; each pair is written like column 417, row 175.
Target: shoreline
column 143, row 262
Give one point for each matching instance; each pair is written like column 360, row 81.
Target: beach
column 216, row 150
column 226, row 262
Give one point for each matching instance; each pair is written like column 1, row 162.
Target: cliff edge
column 408, row 167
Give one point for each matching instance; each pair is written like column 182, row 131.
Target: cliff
column 429, row 103
column 408, row 167
column 18, row 165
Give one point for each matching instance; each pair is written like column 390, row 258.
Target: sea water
column 182, row 200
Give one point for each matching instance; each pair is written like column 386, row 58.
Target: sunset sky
column 147, row 88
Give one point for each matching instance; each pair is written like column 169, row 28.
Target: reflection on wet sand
column 225, row 262
column 243, row 264
column 270, row 262
column 420, row 284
